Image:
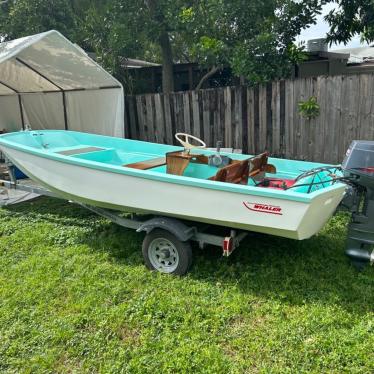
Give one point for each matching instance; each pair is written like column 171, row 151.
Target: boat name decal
column 263, row 208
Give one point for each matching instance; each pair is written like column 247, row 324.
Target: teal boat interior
column 257, row 171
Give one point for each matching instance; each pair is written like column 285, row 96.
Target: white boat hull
column 281, row 217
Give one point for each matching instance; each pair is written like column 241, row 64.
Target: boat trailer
column 166, row 246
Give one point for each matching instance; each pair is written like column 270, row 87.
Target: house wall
column 186, row 77
column 321, row 67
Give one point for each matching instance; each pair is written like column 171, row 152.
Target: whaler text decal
column 263, row 208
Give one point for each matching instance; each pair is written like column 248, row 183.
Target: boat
column 282, row 197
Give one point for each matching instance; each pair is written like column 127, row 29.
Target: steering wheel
column 186, row 142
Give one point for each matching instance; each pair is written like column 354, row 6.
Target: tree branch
column 211, row 72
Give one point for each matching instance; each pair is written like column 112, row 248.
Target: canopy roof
column 47, row 82
column 49, row 62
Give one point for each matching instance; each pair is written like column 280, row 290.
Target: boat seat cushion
column 147, row 164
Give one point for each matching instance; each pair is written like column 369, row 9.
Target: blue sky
column 320, row 29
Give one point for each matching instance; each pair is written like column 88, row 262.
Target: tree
column 24, row 17
column 137, row 28
column 253, row 37
column 350, row 18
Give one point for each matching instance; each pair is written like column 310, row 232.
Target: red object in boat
column 278, row 183
column 367, row 170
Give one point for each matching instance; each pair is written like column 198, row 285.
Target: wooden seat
column 177, row 161
column 147, row 164
column 258, row 164
column 236, row 172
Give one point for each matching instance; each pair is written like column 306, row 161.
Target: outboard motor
column 358, row 168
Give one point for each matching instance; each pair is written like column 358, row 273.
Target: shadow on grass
column 56, row 210
column 295, row 272
column 289, row 271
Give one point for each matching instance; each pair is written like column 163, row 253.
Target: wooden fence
column 262, row 118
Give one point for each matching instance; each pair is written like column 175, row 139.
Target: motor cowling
column 358, row 168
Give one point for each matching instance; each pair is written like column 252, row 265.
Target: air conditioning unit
column 317, row 45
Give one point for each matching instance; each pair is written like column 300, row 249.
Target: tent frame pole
column 53, row 83
column 65, row 111
column 37, row 72
column 21, row 111
column 69, row 90
column 19, row 103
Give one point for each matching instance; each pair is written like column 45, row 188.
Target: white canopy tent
column 48, row 82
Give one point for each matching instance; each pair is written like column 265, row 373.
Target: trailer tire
column 164, row 252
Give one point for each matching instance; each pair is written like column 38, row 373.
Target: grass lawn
column 75, row 297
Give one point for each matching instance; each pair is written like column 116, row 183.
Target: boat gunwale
column 167, row 178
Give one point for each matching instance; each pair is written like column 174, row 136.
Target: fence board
column 251, row 121
column 333, row 131
column 168, row 124
column 133, row 117
column 289, row 123
column 228, row 118
column 263, row 117
column 149, row 117
column 320, row 130
column 298, row 119
column 160, row 119
column 311, row 136
column 275, row 117
column 369, row 133
column 206, row 117
column 195, row 114
column 305, row 93
column 365, row 107
column 221, row 116
column 237, row 123
column 186, row 113
column 179, row 113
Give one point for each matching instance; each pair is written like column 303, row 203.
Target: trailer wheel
column 164, row 252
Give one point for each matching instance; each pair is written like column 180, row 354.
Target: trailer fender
column 174, row 226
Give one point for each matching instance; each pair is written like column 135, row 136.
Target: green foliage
column 296, row 54
column 26, row 17
column 254, row 38
column 350, row 18
column 208, row 51
column 264, row 49
column 75, row 297
column 309, row 108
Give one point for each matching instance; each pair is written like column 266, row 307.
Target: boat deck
column 157, row 163
column 164, row 162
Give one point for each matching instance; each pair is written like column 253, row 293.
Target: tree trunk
column 167, row 63
column 166, row 52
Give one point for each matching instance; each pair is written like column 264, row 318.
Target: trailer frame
column 183, row 231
